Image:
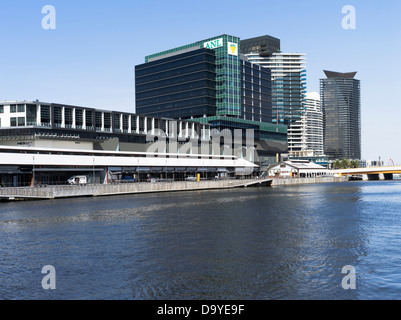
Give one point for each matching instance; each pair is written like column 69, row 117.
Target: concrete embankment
column 54, row 192
column 298, row 181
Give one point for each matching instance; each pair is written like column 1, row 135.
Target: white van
column 77, row 180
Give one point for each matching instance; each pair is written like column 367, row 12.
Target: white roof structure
column 304, row 165
column 10, row 155
column 300, row 167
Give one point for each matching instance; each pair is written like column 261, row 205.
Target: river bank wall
column 299, row 181
column 55, row 192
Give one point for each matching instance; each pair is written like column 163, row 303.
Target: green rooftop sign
column 217, row 43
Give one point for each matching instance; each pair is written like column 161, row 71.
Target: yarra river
column 287, row 242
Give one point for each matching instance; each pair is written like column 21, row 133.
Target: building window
column 13, row 108
column 125, row 122
column 141, row 124
column 79, row 118
column 98, row 120
column 45, row 114
column 133, row 123
column 57, row 116
column 68, row 117
column 163, row 125
column 1, row 109
column 88, row 119
column 21, row 121
column 157, row 123
column 13, row 122
column 31, row 114
column 117, row 122
column 148, row 124
column 107, row 121
column 21, row 108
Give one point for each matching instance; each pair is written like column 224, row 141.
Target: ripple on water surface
column 256, row 243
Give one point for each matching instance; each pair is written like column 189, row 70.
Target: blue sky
column 89, row 58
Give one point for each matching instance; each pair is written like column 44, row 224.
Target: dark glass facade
column 194, row 81
column 340, row 94
column 227, row 69
column 210, row 82
column 264, row 45
column 186, row 85
column 256, row 93
column 288, row 97
column 180, row 86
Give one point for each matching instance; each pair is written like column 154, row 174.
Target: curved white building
column 305, row 136
column 313, row 122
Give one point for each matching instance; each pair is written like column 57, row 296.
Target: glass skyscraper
column 215, row 60
column 256, row 93
column 305, row 136
column 288, row 84
column 288, row 76
column 341, row 104
column 210, row 81
column 178, row 86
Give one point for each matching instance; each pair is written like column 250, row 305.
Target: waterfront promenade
column 54, row 192
column 98, row 190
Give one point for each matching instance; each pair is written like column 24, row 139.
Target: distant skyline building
column 313, row 119
column 265, row 46
column 288, row 76
column 295, row 136
column 288, row 84
column 341, row 105
column 305, row 136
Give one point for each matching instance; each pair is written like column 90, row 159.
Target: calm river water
column 258, row 243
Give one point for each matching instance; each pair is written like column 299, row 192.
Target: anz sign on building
column 213, row 44
column 228, row 73
column 232, row 47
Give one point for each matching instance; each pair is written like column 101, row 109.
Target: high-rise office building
column 313, row 123
column 211, row 82
column 288, row 76
column 178, row 86
column 195, row 80
column 305, row 136
column 256, row 92
column 288, row 84
column 341, row 104
column 206, row 78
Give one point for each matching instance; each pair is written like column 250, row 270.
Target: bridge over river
column 371, row 173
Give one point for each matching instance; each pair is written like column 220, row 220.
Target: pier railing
column 53, row 192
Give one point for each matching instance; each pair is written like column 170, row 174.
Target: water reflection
column 259, row 243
